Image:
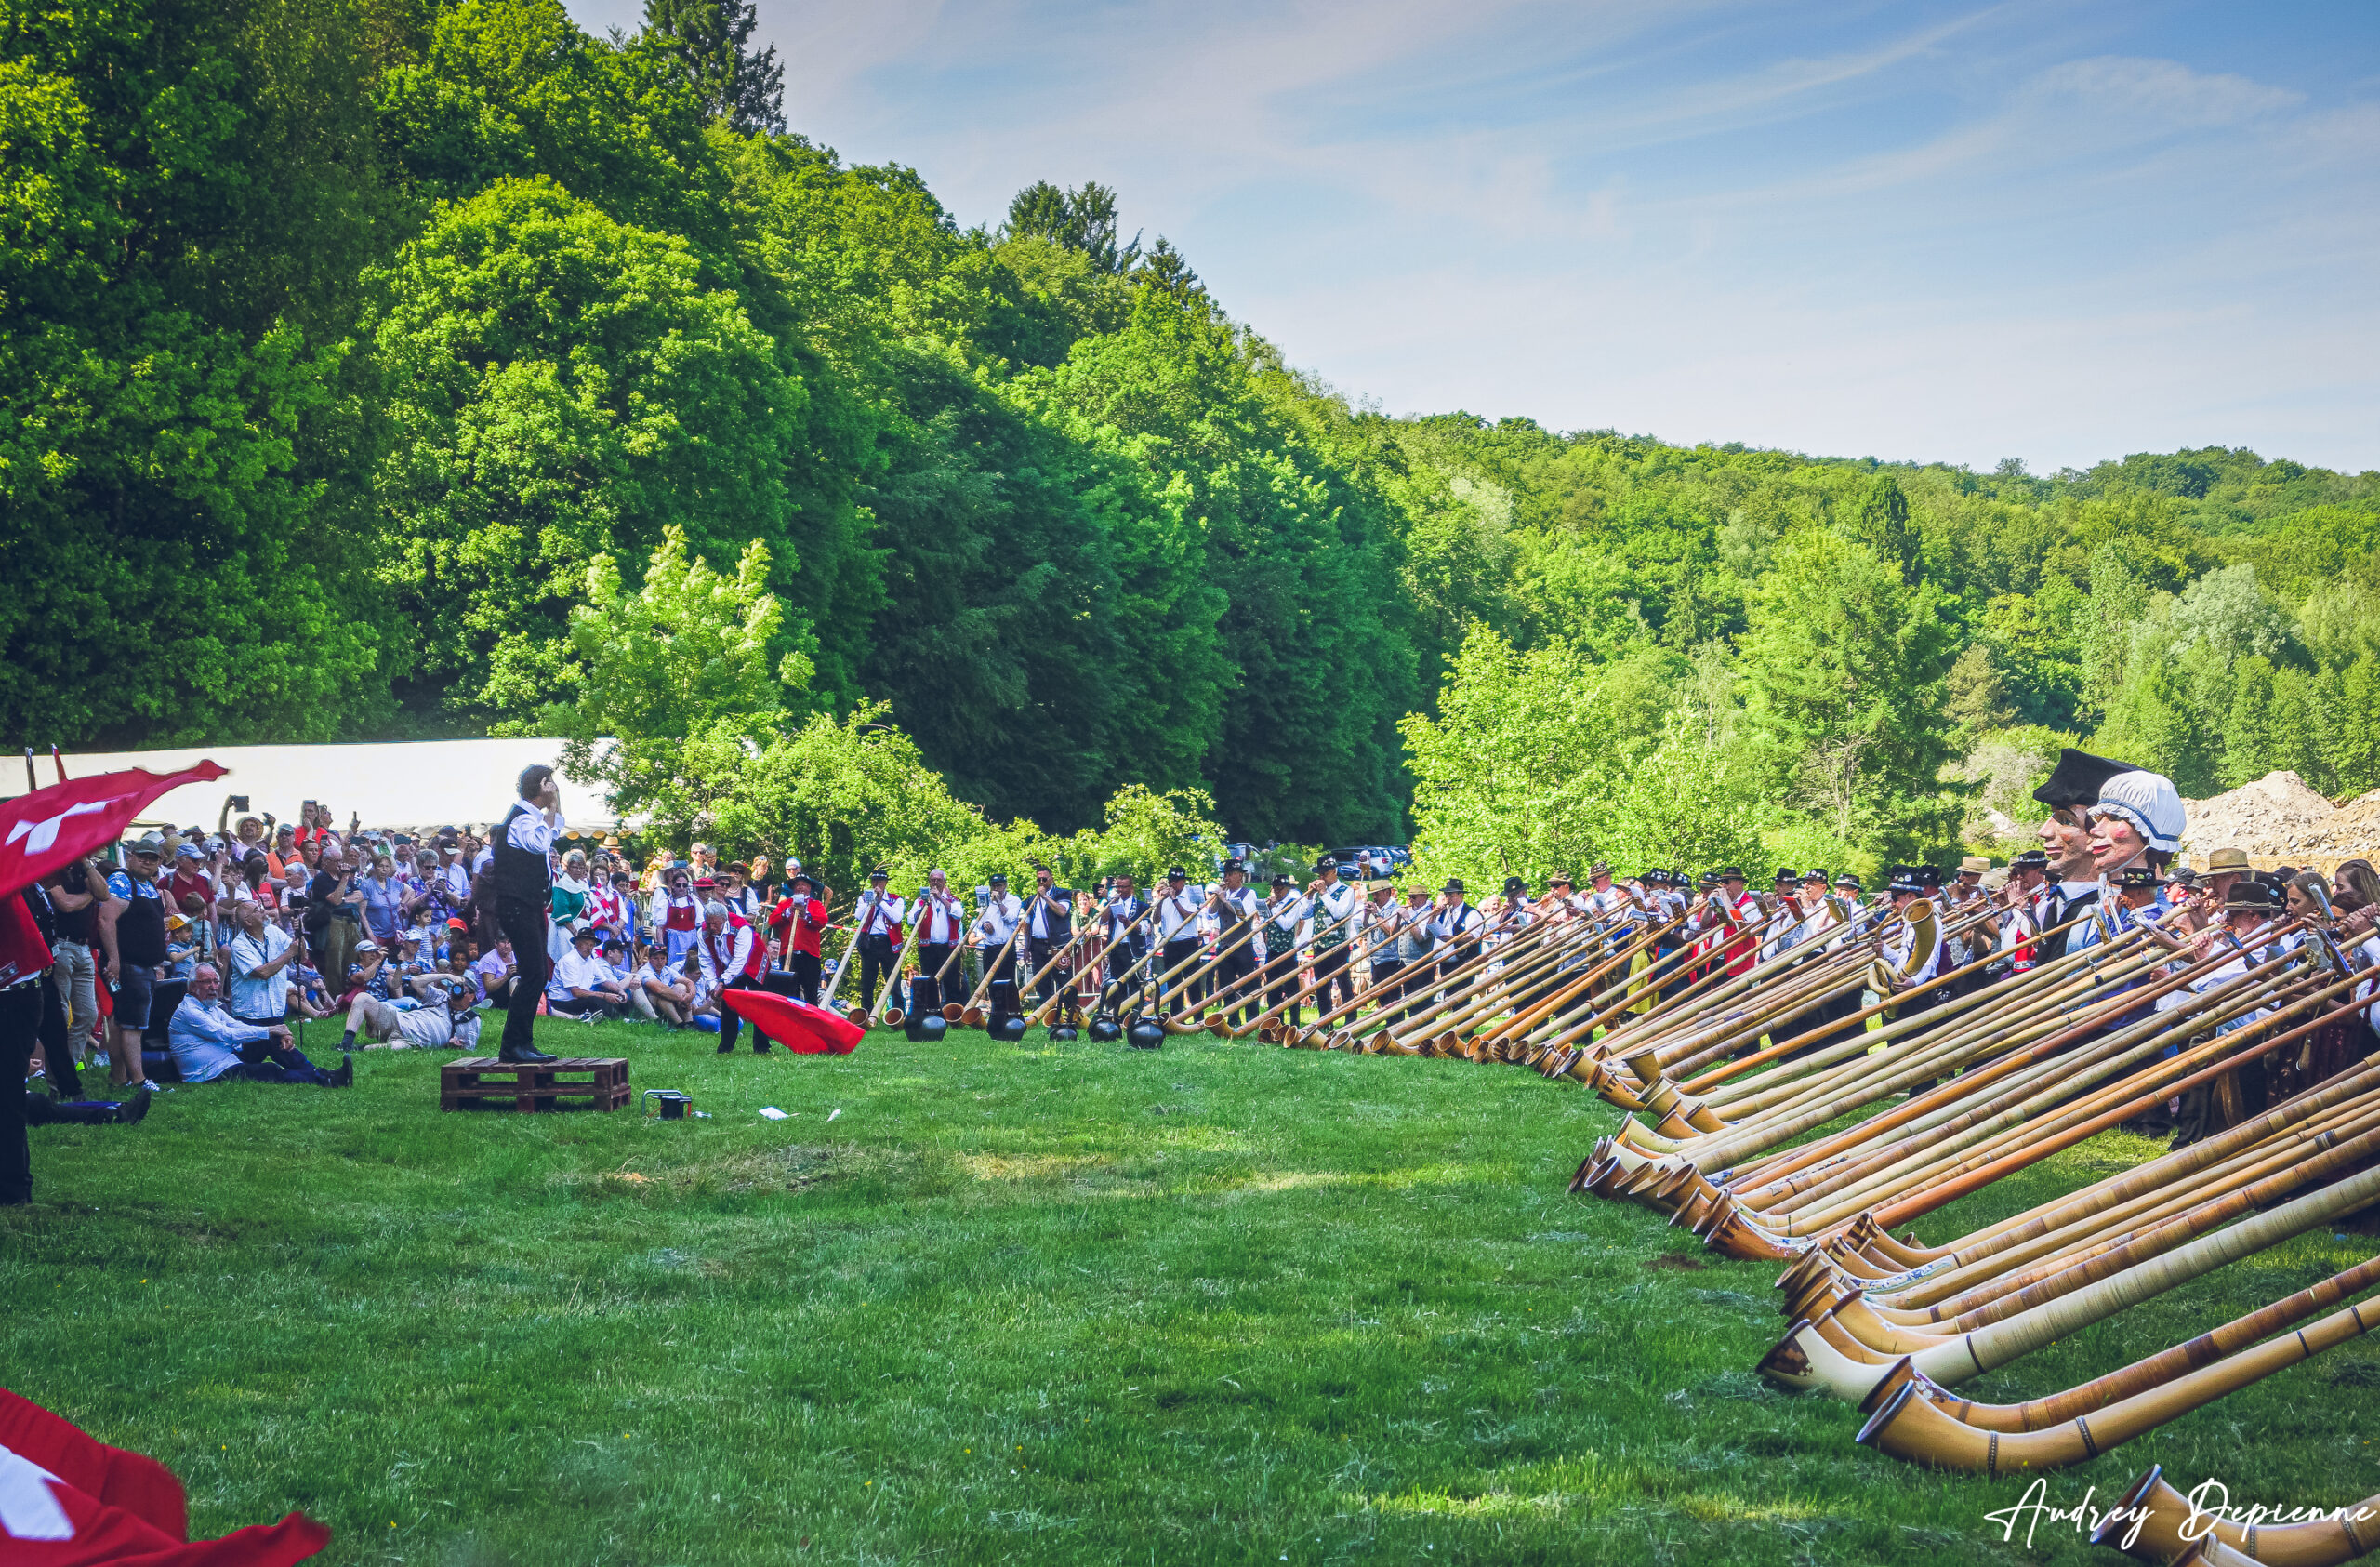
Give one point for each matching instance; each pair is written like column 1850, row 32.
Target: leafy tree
column 1845, row 666
column 1082, row 219
column 1882, row 526
column 689, row 657
column 709, row 40
column 564, row 390
column 1973, row 696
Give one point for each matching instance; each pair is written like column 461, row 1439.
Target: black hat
column 2248, row 897
column 1454, row 885
column 2135, row 876
column 1173, row 872
column 1849, row 880
column 2186, row 875
column 1600, row 868
column 803, row 878
column 2076, row 779
column 1906, row 879
column 1325, row 863
column 1787, row 873
column 879, row 874
column 1232, row 864
column 1815, row 873
column 1279, row 880
column 2030, row 859
column 1514, row 884
column 1731, row 874
column 997, row 878
column 1709, row 879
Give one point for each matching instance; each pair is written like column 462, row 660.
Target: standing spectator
column 140, row 949
column 209, row 1043
column 190, row 879
column 433, row 899
column 256, row 885
column 331, row 918
column 567, row 906
column 677, row 915
column 454, row 871
column 259, row 960
column 190, row 938
column 86, row 947
column 383, row 898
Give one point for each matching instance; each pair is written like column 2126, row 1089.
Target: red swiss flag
column 50, row 826
column 68, row 1500
column 801, row 1028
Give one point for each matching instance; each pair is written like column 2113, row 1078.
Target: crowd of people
column 227, row 941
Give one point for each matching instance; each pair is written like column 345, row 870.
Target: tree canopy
column 379, row 368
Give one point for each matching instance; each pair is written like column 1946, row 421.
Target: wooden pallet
column 485, row 1083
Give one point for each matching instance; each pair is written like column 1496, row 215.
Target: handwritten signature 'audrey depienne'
column 2210, row 1504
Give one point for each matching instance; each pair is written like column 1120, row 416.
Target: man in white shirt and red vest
column 732, row 959
column 937, row 921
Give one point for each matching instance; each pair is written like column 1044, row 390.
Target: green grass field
column 1014, row 1304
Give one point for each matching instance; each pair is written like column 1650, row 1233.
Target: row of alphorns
column 1726, row 1098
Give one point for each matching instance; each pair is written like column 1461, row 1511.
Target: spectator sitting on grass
column 445, row 1020
column 368, row 975
column 209, row 1043
column 583, row 985
column 456, row 970
column 260, row 959
column 659, row 992
column 497, row 970
column 706, row 994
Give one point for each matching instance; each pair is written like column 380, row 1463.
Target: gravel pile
column 2278, row 814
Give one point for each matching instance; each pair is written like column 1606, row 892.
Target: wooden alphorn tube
column 2155, row 1522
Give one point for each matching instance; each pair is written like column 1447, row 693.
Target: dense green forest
column 352, row 345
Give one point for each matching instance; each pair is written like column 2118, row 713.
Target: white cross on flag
column 50, row 826
column 70, row 1500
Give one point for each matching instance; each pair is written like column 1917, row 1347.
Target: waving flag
column 70, row 1500
column 801, row 1028
column 50, row 826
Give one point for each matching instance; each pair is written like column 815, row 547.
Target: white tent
column 405, row 784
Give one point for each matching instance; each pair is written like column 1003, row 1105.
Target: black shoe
column 345, row 1076
column 725, row 1045
column 760, row 1047
column 522, row 1056
column 129, row 1112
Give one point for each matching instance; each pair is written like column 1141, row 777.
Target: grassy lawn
column 1040, row 1303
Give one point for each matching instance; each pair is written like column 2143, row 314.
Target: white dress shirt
column 203, row 1035
column 939, row 918
column 249, row 996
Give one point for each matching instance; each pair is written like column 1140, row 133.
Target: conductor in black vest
column 523, row 872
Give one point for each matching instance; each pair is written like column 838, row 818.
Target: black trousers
column 731, row 1022
column 877, row 958
column 1332, row 977
column 1184, row 990
column 1001, row 967
column 1237, row 975
column 1281, row 980
column 525, row 926
column 925, row 987
column 803, row 966
column 1040, row 953
column 19, row 1025
column 58, row 1060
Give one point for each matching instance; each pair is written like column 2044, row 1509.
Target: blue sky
column 2059, row 232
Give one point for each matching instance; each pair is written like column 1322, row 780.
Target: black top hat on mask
column 2075, row 780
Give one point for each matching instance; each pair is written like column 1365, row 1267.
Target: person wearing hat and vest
column 733, row 959
column 1375, row 938
column 1240, row 908
column 878, row 920
column 1334, row 919
column 1178, row 906
column 1913, row 952
column 994, row 935
column 799, row 924
column 1455, row 929
column 523, row 872
column 1416, row 944
column 937, row 921
column 1728, row 918
column 1279, row 933
column 2019, row 900
column 1049, row 928
column 1123, row 927
column 2244, row 927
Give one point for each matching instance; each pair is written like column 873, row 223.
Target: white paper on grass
column 770, row 1112
column 835, row 1111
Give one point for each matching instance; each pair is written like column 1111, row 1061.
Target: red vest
column 685, row 913
column 722, row 945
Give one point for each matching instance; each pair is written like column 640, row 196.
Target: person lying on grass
column 209, row 1044
column 447, row 1019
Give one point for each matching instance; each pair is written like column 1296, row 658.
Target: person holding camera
column 334, row 915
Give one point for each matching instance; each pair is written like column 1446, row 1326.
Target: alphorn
column 2151, row 1522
